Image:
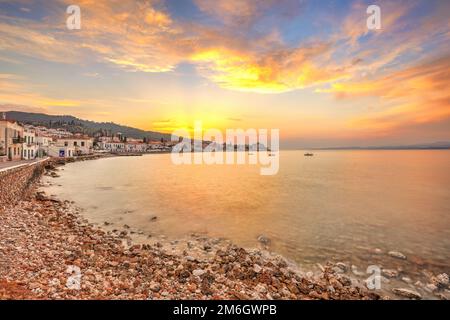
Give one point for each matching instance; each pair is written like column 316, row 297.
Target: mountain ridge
column 77, row 125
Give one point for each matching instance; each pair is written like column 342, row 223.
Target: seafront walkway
column 15, row 164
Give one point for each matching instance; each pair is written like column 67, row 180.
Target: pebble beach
column 49, row 251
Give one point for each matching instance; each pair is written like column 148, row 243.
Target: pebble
column 263, row 240
column 342, row 266
column 155, row 287
column 407, row 279
column 397, row 254
column 407, row 293
column 257, row 268
column 198, row 272
column 441, row 280
column 390, row 273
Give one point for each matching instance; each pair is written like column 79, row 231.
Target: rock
column 342, row 266
column 257, row 268
column 430, row 287
column 153, row 218
column 344, row 280
column 198, row 272
column 356, row 272
column 390, row 273
column 406, row 279
column 154, row 286
column 263, row 240
column 441, row 280
column 397, row 254
column 407, row 293
column 441, row 296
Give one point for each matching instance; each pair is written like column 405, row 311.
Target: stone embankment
column 16, row 182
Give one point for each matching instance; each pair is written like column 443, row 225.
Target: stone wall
column 16, row 183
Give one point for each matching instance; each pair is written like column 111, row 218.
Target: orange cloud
column 142, row 36
column 417, row 95
column 273, row 71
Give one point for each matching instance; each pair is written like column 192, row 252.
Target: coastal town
column 20, row 142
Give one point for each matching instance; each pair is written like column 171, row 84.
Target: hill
column 76, row 125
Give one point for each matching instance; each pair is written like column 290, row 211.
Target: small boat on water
column 308, row 154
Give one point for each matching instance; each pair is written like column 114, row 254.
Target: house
column 43, row 141
column 136, row 147
column 158, row 146
column 61, row 151
column 81, row 145
column 11, row 139
column 112, row 146
column 29, row 146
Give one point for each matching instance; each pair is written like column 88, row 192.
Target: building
column 51, row 132
column 11, row 139
column 61, row 151
column 136, row 147
column 158, row 146
column 109, row 139
column 43, row 141
column 29, row 146
column 81, row 145
column 112, row 146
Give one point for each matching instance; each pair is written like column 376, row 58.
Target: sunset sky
column 309, row 68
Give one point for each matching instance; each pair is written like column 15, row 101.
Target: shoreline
column 44, row 239
column 47, row 239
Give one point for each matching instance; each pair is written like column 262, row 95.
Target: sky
column 312, row 69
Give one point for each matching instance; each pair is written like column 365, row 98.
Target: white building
column 43, row 141
column 112, row 146
column 136, row 147
column 11, row 139
column 29, row 146
column 61, row 151
column 81, row 145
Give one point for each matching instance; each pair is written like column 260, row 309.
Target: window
column 82, row 143
column 75, row 143
column 66, row 144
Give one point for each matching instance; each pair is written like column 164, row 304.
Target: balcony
column 18, row 140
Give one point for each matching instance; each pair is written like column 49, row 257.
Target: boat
column 309, row 154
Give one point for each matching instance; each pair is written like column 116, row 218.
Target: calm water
column 337, row 205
